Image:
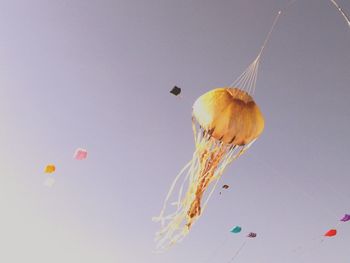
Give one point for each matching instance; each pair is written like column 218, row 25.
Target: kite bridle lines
column 247, row 80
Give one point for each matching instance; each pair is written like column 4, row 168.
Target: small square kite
column 176, row 90
column 251, row 235
column 236, row 230
column 345, row 218
column 50, row 168
column 80, row 154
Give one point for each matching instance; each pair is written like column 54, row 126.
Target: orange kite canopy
column 331, row 233
column 229, row 115
column 50, row 168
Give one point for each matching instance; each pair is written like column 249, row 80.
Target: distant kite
column 80, row 154
column 251, row 235
column 345, row 218
column 176, row 90
column 236, row 229
column 331, row 233
column 50, row 168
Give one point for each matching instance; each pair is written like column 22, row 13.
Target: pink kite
column 80, row 154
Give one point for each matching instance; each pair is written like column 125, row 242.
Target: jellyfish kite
column 226, row 121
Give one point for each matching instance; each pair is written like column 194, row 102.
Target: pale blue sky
column 97, row 75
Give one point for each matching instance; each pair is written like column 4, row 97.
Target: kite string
column 269, row 34
column 238, row 251
column 214, row 253
column 347, row 19
column 345, row 16
column 248, row 78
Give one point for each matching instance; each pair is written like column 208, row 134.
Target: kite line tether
column 345, row 16
column 247, row 80
column 238, row 251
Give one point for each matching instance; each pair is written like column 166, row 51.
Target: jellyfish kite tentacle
column 199, row 176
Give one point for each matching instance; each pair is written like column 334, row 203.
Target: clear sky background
column 97, row 75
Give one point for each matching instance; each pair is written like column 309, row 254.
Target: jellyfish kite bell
column 226, row 121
